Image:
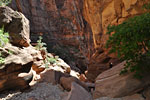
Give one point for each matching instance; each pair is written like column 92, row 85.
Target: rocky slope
column 28, row 68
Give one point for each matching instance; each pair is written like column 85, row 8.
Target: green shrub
column 51, row 60
column 131, row 41
column 2, row 59
column 4, row 39
column 40, row 45
column 48, row 60
column 63, row 52
column 4, row 2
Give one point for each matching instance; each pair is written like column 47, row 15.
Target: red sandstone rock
column 60, row 22
column 17, row 62
column 82, row 78
column 67, row 81
column 98, row 64
column 111, row 84
column 17, row 25
column 78, row 93
column 78, row 25
column 146, row 93
column 100, row 13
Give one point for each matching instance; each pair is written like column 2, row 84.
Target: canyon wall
column 62, row 26
column 99, row 14
column 78, row 25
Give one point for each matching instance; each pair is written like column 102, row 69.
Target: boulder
column 63, row 67
column 37, row 59
column 111, row 84
column 16, row 62
column 78, row 93
column 99, row 63
column 131, row 97
column 66, row 83
column 146, row 93
column 17, row 25
column 52, row 76
column 82, row 78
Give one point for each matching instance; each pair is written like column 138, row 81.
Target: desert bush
column 2, row 59
column 4, row 2
column 4, row 39
column 131, row 41
column 41, row 46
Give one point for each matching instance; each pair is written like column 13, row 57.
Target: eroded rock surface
column 100, row 13
column 15, row 63
column 63, row 27
column 82, row 26
column 61, row 22
column 78, row 93
column 42, row 91
column 17, row 25
column 132, row 97
column 100, row 63
column 111, row 84
column 66, row 83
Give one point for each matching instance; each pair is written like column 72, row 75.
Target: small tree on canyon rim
column 131, row 41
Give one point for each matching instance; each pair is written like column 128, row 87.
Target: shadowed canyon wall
column 78, row 25
column 62, row 26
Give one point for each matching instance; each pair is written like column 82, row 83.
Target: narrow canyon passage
column 56, row 49
column 76, row 29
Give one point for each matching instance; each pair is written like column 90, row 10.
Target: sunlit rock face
column 100, row 13
column 60, row 22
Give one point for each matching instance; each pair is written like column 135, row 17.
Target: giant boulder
column 111, row 84
column 78, row 93
column 15, row 63
column 17, row 25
